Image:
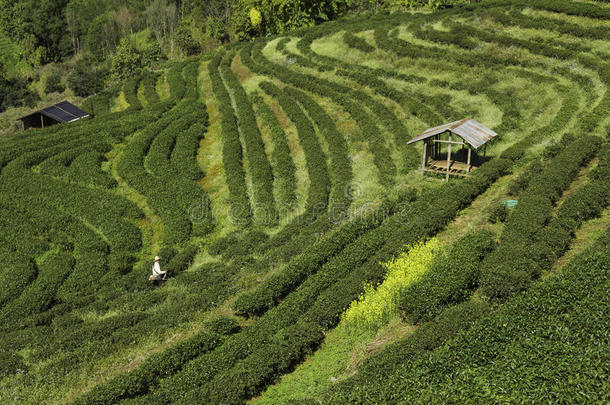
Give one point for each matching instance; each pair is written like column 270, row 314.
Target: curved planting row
column 513, row 266
column 253, row 58
column 82, row 164
column 249, row 360
column 317, row 169
column 340, row 165
column 232, row 154
column 257, row 163
column 130, row 88
column 283, row 166
column 182, row 205
column 437, row 362
column 148, row 87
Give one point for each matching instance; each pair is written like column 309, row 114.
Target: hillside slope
column 274, row 179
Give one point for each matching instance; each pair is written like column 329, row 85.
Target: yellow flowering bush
column 375, row 307
column 255, row 17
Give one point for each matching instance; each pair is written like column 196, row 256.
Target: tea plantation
column 275, row 182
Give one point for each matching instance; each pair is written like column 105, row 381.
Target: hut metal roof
column 471, row 131
column 61, row 112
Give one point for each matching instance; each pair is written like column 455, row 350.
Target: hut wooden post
column 424, row 158
column 42, row 120
column 448, row 157
column 468, row 163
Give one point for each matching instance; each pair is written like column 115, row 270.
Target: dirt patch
column 240, row 70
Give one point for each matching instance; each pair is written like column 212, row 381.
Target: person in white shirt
column 158, row 274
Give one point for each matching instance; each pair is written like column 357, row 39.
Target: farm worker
column 156, row 270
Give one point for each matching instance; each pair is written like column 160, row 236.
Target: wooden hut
column 466, row 133
column 55, row 114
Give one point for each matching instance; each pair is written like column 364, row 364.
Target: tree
column 184, row 40
column 126, row 61
column 162, row 19
column 53, row 83
column 42, row 20
column 15, row 93
column 79, row 16
column 83, row 80
column 215, row 16
column 103, row 36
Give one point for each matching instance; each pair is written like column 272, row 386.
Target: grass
column 209, row 158
column 120, row 103
column 162, row 87
column 343, row 349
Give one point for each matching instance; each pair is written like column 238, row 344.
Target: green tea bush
column 498, row 213
column 520, row 183
column 493, row 343
column 317, row 169
column 232, row 154
column 451, row 279
column 375, row 370
column 509, row 270
column 295, row 326
column 258, row 165
column 340, row 165
column 223, row 326
column 148, row 374
column 282, row 164
column 357, row 43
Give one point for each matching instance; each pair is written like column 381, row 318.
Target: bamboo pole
column 424, row 157
column 448, row 158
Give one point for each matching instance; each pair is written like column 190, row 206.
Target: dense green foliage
column 566, row 317
column 511, row 267
column 297, row 144
column 450, row 279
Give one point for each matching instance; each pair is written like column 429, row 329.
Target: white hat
column 157, row 258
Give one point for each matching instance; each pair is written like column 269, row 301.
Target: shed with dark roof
column 55, row 114
column 473, row 135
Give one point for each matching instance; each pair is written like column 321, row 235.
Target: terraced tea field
column 275, row 181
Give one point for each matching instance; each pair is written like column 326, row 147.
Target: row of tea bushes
column 510, row 269
column 559, row 320
column 258, row 165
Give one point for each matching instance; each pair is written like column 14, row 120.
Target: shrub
column 498, row 213
column 357, row 43
column 84, row 81
column 11, row 363
column 14, row 93
column 376, row 306
column 510, row 269
column 520, row 183
column 223, row 326
column 53, row 84
column 451, row 278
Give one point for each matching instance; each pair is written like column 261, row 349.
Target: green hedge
column 451, row 278
column 232, row 154
column 249, row 361
column 357, row 43
column 510, row 269
column 282, row 164
column 544, row 345
column 259, row 168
